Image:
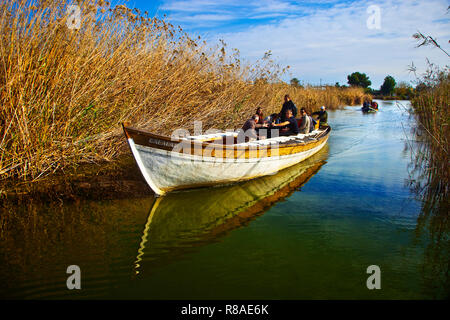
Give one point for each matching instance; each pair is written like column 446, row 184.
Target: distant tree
column 388, row 86
column 368, row 90
column 404, row 90
column 357, row 79
column 295, row 82
column 403, row 84
column 422, row 87
column 337, row 85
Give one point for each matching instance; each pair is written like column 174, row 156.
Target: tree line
column 389, row 88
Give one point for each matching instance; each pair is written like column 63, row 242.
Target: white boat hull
column 166, row 170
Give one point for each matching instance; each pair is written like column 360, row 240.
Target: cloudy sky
column 323, row 40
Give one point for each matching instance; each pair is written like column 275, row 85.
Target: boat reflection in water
column 181, row 221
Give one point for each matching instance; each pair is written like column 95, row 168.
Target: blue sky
column 323, row 40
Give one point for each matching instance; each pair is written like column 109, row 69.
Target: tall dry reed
column 431, row 176
column 432, row 112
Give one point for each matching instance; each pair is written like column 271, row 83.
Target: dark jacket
column 323, row 116
column 288, row 105
column 292, row 126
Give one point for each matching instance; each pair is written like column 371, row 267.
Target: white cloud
column 202, row 17
column 192, row 5
column 329, row 39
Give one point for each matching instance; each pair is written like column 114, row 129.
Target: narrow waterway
column 309, row 232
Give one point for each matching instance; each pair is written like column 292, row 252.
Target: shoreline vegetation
column 64, row 90
column 381, row 97
column 430, row 173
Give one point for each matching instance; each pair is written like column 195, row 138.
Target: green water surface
column 309, row 232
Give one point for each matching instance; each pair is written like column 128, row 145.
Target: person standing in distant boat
column 287, row 105
column 322, row 117
column 289, row 126
column 366, row 104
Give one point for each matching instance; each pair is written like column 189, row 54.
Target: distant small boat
column 169, row 164
column 368, row 109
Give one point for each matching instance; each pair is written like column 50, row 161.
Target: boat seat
column 212, row 136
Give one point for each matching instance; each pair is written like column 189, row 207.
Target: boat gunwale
column 233, row 147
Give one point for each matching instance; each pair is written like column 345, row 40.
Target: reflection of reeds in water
column 430, row 179
column 38, row 242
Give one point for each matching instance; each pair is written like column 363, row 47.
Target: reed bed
column 432, row 111
column 65, row 91
column 430, row 177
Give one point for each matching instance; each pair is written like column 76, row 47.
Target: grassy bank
column 64, row 91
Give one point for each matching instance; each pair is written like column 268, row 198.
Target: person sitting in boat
column 248, row 131
column 305, row 122
column 273, row 118
column 260, row 114
column 287, row 105
column 312, row 124
column 366, row 104
column 322, row 116
column 288, row 127
column 374, row 105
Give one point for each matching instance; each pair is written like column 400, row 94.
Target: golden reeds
column 430, row 177
column 65, row 90
column 432, row 111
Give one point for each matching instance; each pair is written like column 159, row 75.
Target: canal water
column 308, row 232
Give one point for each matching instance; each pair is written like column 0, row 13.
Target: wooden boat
column 368, row 109
column 172, row 163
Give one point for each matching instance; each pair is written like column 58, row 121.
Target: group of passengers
column 285, row 122
column 370, row 104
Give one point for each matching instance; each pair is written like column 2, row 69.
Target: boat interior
column 230, row 138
